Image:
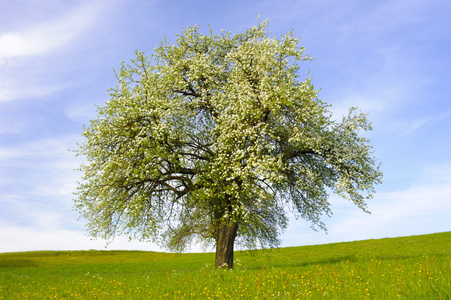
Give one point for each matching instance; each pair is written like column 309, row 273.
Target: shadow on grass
column 329, row 261
column 352, row 258
column 17, row 263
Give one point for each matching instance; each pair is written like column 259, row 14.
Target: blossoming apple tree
column 215, row 139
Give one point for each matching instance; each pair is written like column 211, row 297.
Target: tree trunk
column 224, row 245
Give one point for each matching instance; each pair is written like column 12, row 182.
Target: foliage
column 417, row 267
column 219, row 130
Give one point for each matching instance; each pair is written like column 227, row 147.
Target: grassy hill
column 416, row 267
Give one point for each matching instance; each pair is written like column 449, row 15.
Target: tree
column 214, row 139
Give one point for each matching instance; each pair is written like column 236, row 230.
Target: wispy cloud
column 419, row 209
column 49, row 35
column 81, row 112
column 18, row 238
column 27, row 56
column 22, row 182
column 14, row 88
column 396, row 213
column 37, row 180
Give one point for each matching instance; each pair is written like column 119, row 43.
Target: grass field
column 416, row 267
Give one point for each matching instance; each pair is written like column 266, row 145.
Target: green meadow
column 416, row 267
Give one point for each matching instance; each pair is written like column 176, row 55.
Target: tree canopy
column 214, row 139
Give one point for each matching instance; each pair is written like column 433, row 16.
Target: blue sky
column 389, row 58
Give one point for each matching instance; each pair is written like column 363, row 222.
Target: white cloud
column 55, row 148
column 420, row 209
column 17, row 238
column 27, row 69
column 46, row 167
column 47, row 36
column 15, row 88
column 81, row 112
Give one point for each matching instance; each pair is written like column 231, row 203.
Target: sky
column 389, row 58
